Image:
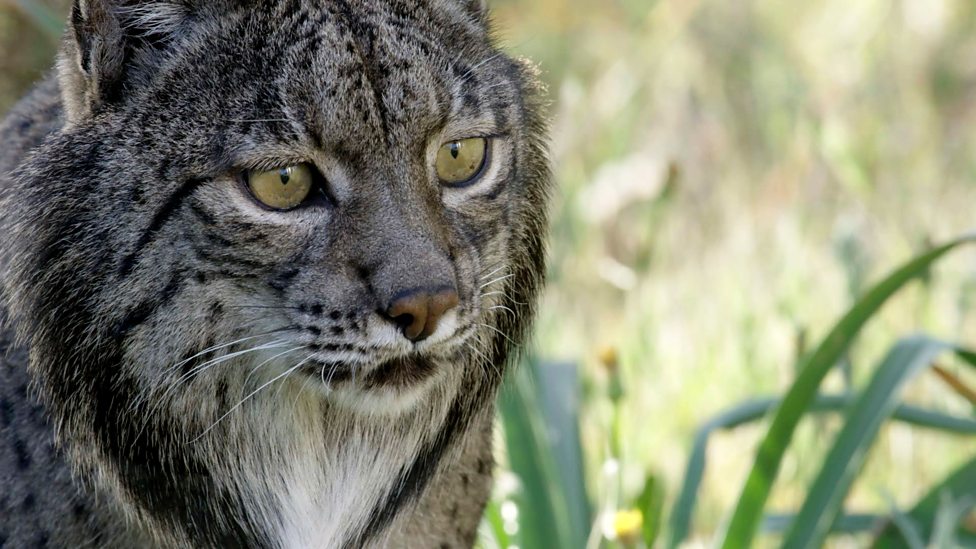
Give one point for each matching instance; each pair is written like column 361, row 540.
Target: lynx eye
column 281, row 189
column 461, row 162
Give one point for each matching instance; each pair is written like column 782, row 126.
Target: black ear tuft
column 105, row 41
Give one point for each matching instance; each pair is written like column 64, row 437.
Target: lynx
column 263, row 267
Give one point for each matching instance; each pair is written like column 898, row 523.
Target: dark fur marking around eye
column 170, row 207
column 202, row 214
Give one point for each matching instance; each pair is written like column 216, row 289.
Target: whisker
column 496, row 271
column 279, row 355
column 248, row 397
column 502, row 307
column 499, row 279
column 199, row 369
column 224, row 358
column 501, row 333
column 510, row 300
column 218, row 347
column 257, row 120
column 464, row 78
column 485, row 361
column 262, row 307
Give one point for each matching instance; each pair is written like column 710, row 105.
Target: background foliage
column 733, row 176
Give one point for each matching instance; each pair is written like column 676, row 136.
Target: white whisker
column 496, row 271
column 218, row 347
column 501, row 333
column 499, row 279
column 248, row 397
column 502, row 307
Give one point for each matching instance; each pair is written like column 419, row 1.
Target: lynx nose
column 418, row 311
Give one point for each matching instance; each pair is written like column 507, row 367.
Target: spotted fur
column 182, row 367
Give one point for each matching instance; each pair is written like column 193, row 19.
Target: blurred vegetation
column 734, row 175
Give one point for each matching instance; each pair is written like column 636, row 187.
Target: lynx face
column 385, row 259
column 334, row 208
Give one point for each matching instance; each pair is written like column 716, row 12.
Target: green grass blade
column 863, row 421
column 845, row 524
column 749, row 509
column 43, row 17
column 960, row 482
column 560, row 388
column 651, row 505
column 543, row 516
column 755, row 410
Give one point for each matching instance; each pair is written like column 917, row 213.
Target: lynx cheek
column 460, row 163
column 282, row 189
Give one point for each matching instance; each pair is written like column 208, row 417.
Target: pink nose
column 417, row 312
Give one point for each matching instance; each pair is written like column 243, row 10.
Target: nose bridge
column 400, row 247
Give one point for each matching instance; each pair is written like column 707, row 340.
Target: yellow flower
column 627, row 525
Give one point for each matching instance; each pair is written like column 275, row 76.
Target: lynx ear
column 109, row 45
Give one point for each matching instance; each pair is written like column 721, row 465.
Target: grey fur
column 205, row 372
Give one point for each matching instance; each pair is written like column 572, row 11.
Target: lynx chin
column 264, row 264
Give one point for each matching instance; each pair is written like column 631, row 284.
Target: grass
column 732, row 176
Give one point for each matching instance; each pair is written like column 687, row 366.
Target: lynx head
column 345, row 195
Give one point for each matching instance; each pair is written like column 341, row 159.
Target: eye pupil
column 455, row 149
column 285, row 175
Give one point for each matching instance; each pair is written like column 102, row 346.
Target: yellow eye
column 459, row 162
column 282, row 189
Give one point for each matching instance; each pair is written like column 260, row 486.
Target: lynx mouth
column 401, row 372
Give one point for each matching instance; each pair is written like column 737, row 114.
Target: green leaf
column 755, row 410
column 494, row 535
column 559, row 391
column 862, row 422
column 959, row 482
column 545, row 518
column 748, row 512
column 43, row 17
column 651, row 505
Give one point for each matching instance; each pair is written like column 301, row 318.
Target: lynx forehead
column 267, row 261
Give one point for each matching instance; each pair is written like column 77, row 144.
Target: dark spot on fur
column 43, row 538
column 465, row 480
column 6, row 413
column 337, row 330
column 335, row 315
column 28, row 503
column 79, row 510
column 216, row 311
column 283, row 279
column 314, row 330
column 23, row 456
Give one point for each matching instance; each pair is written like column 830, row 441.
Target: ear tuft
column 105, row 41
